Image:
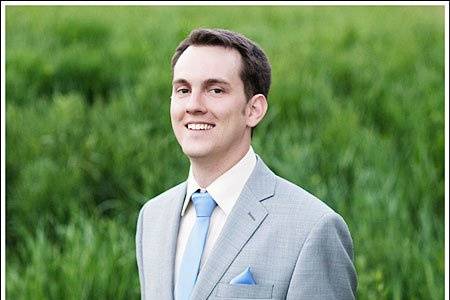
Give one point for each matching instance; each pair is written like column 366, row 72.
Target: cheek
column 176, row 112
column 235, row 123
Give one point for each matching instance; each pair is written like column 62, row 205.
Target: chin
column 196, row 152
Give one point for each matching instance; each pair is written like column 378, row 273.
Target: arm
column 324, row 268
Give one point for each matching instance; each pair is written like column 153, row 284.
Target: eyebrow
column 216, row 81
column 205, row 83
column 180, row 81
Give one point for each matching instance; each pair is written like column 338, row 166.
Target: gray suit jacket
column 296, row 246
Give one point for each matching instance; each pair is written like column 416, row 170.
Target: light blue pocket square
column 245, row 277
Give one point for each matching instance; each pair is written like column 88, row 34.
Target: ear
column 256, row 109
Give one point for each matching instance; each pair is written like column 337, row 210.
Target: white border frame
column 222, row 3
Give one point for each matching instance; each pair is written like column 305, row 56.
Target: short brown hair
column 256, row 70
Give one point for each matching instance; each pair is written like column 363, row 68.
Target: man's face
column 208, row 106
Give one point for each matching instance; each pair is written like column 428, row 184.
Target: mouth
column 199, row 126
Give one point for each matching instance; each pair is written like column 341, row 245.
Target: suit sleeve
column 139, row 251
column 324, row 268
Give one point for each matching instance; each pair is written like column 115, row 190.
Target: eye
column 216, row 91
column 182, row 91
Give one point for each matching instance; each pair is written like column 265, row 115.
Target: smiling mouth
column 199, row 126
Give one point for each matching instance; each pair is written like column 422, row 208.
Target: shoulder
column 289, row 203
column 303, row 213
column 310, row 216
column 299, row 200
column 161, row 201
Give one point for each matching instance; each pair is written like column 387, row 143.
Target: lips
column 199, row 126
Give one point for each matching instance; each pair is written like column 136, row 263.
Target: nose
column 195, row 103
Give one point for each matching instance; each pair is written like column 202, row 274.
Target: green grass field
column 356, row 117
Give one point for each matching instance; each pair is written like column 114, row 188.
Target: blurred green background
column 357, row 103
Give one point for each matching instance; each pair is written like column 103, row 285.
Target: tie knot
column 204, row 204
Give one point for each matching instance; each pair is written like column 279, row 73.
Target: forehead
column 204, row 62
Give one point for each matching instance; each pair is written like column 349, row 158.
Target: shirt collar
column 225, row 190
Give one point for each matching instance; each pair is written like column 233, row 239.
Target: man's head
column 220, row 84
column 255, row 70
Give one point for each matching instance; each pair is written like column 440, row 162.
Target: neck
column 206, row 170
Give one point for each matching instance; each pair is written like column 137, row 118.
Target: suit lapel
column 244, row 219
column 169, row 242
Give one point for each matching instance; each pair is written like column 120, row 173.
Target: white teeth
column 199, row 126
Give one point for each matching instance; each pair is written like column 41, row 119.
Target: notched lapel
column 244, row 219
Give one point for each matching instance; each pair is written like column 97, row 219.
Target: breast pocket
column 244, row 291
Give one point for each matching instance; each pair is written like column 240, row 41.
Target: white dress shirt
column 225, row 190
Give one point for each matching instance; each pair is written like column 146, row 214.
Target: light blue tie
column 204, row 206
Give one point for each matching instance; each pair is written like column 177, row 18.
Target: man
column 234, row 229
